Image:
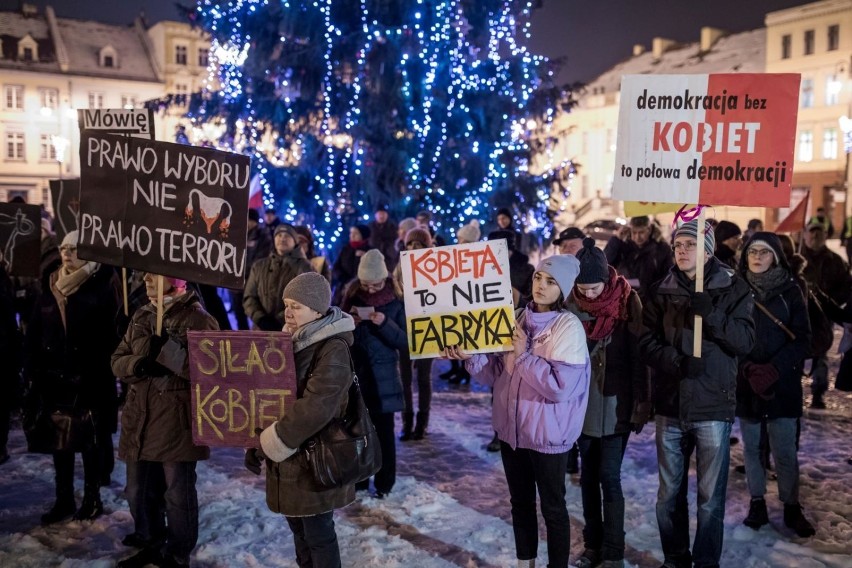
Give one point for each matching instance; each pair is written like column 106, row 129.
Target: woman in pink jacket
column 540, row 395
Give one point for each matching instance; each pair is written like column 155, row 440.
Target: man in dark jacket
column 383, row 236
column 156, row 439
column 695, row 396
column 642, row 256
column 728, row 239
column 827, row 272
column 258, row 247
column 268, row 277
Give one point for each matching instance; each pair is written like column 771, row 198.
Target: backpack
column 822, row 329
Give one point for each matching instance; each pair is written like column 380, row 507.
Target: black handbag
column 347, row 449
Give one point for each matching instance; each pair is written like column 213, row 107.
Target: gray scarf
column 768, row 281
column 334, row 322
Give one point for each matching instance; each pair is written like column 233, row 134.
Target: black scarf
column 768, row 281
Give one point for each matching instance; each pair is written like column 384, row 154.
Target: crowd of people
column 603, row 344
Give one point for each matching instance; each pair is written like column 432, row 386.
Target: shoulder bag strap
column 775, row 320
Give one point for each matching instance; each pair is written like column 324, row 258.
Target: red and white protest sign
column 719, row 139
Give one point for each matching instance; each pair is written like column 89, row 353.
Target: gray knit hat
column 593, row 265
column 310, row 289
column 407, row 224
column 286, row 228
column 372, row 267
column 563, row 268
column 470, row 233
column 690, row 229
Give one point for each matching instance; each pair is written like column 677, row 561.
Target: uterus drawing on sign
column 20, row 226
column 211, row 210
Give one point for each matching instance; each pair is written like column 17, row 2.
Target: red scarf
column 607, row 308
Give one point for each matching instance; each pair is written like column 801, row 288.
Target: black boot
column 757, row 515
column 494, row 444
column 574, row 459
column 91, row 508
column 461, row 377
column 450, row 373
column 142, row 558
column 420, row 427
column 63, row 509
column 794, row 519
column 407, row 425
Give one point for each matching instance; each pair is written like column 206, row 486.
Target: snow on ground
column 449, row 507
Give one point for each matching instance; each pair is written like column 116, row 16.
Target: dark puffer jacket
column 155, row 422
column 68, row 364
column 787, row 304
column 376, row 348
column 290, row 489
column 262, row 296
column 620, row 390
column 728, row 333
column 647, row 264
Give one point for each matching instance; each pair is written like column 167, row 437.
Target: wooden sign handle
column 124, row 290
column 699, row 283
column 159, row 304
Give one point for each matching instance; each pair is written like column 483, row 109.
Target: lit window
column 806, row 146
column 128, row 101
column 833, row 86
column 14, row 145
column 829, row 144
column 14, row 97
column 807, row 97
column 96, row 100
column 48, row 150
column 49, row 98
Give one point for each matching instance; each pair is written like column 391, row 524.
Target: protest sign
column 719, row 139
column 65, row 194
column 135, row 122
column 638, row 208
column 458, row 295
column 164, row 208
column 239, row 381
column 20, row 238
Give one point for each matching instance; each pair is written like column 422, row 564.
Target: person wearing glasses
column 69, row 342
column 695, row 397
column 769, row 389
column 379, row 337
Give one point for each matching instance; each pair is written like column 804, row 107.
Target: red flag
column 795, row 220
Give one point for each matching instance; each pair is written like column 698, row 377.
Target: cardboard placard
column 165, row 208
column 20, row 238
column 458, row 295
column 718, row 139
column 135, row 122
column 240, row 381
column 65, row 194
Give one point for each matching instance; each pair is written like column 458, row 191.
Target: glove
column 148, row 367
column 701, row 304
column 156, row 345
column 254, row 460
column 691, row 367
column 761, row 377
column 640, row 416
column 269, row 322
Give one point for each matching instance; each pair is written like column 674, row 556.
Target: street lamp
column 60, row 144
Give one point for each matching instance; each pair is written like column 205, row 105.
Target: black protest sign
column 65, row 195
column 20, row 238
column 165, row 208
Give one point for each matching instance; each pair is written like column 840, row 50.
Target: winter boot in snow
column 61, row 510
column 142, row 558
column 526, row 563
column 420, row 427
column 407, row 425
column 794, row 519
column 757, row 516
column 494, row 444
column 91, row 508
column 589, row 559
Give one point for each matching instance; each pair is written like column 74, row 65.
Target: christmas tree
column 350, row 104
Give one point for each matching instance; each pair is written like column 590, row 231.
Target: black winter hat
column 365, row 232
column 725, row 230
column 771, row 240
column 502, row 234
column 504, row 211
column 593, row 265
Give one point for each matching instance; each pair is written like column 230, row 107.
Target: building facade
column 816, row 40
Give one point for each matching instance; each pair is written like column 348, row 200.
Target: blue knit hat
column 563, row 268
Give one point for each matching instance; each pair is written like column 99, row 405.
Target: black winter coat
column 520, row 274
column 71, row 364
column 787, row 355
column 727, row 333
column 620, row 390
column 646, row 264
column 827, row 271
column 345, row 268
column 10, row 341
column 376, row 349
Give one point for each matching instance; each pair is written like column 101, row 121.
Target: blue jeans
column 782, row 444
column 601, row 473
column 164, row 505
column 676, row 442
column 315, row 540
column 526, row 471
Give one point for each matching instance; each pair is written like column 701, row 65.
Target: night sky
column 592, row 35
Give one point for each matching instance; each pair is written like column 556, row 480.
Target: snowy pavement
column 449, row 507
